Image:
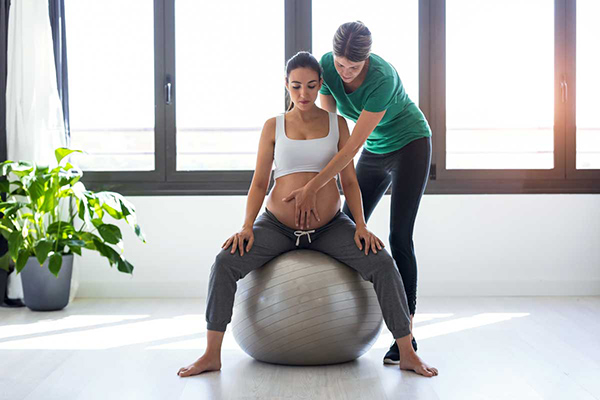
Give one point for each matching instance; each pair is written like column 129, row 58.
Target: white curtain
column 34, row 120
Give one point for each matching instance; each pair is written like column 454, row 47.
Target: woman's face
column 348, row 70
column 303, row 84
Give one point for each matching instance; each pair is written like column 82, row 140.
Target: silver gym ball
column 305, row 308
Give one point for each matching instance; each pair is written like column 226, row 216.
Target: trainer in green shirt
column 381, row 90
column 365, row 88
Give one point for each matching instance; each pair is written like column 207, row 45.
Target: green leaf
column 36, row 188
column 50, row 200
column 22, row 173
column 112, row 212
column 4, row 260
column 7, row 227
column 4, row 186
column 15, row 241
column 66, row 229
column 21, row 260
column 97, row 222
column 125, row 266
column 98, row 209
column 107, row 251
column 42, row 248
column 10, row 208
column 55, row 263
column 18, row 192
column 111, row 204
column 42, row 169
column 74, row 243
column 5, row 231
column 62, row 152
column 90, row 240
column 75, row 249
column 110, row 233
column 7, row 167
column 130, row 217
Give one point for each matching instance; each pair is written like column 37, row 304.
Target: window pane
column 499, row 84
column 588, row 85
column 110, row 46
column 394, row 26
column 395, row 35
column 230, row 80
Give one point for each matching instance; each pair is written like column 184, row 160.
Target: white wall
column 465, row 245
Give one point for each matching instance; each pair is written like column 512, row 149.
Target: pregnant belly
column 328, row 200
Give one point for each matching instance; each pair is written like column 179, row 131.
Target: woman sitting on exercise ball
column 301, row 142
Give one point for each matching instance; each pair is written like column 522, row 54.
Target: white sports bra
column 312, row 155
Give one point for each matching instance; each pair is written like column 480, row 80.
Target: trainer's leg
column 373, row 180
column 409, row 178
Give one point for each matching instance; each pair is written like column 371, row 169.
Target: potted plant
column 49, row 216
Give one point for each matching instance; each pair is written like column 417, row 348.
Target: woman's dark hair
column 302, row 59
column 352, row 40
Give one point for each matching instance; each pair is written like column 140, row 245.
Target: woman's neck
column 306, row 115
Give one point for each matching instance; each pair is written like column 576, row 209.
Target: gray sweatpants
column 336, row 239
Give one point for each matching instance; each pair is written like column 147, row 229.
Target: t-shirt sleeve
column 325, row 89
column 382, row 97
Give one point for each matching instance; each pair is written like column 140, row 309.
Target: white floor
column 485, row 348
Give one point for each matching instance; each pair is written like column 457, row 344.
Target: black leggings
column 407, row 170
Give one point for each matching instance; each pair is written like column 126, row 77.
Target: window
column 499, row 84
column 111, row 75
column 230, row 80
column 169, row 96
column 588, row 85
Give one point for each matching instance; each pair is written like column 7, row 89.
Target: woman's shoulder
column 270, row 126
column 382, row 70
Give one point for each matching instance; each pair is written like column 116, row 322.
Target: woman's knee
column 385, row 267
column 225, row 265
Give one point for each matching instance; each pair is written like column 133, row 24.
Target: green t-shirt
column 381, row 90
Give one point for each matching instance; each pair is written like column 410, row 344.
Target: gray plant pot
column 3, row 281
column 42, row 291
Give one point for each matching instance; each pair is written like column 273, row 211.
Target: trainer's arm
column 328, row 102
column 306, row 197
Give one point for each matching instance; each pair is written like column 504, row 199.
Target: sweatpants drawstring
column 299, row 234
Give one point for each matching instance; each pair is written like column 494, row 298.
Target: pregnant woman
column 397, row 147
column 301, row 142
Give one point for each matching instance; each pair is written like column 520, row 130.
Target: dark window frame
column 166, row 180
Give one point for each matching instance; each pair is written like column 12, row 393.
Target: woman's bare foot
column 203, row 364
column 412, row 362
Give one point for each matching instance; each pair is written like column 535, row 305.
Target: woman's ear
column 320, row 83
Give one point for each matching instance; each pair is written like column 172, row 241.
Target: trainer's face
column 348, row 70
column 303, row 84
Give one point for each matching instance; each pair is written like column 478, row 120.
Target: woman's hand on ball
column 237, row 240
column 372, row 242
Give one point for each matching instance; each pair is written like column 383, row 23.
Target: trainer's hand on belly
column 237, row 239
column 306, row 203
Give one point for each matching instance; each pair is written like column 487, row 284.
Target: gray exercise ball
column 305, row 308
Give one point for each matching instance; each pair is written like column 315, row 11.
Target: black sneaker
column 393, row 354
